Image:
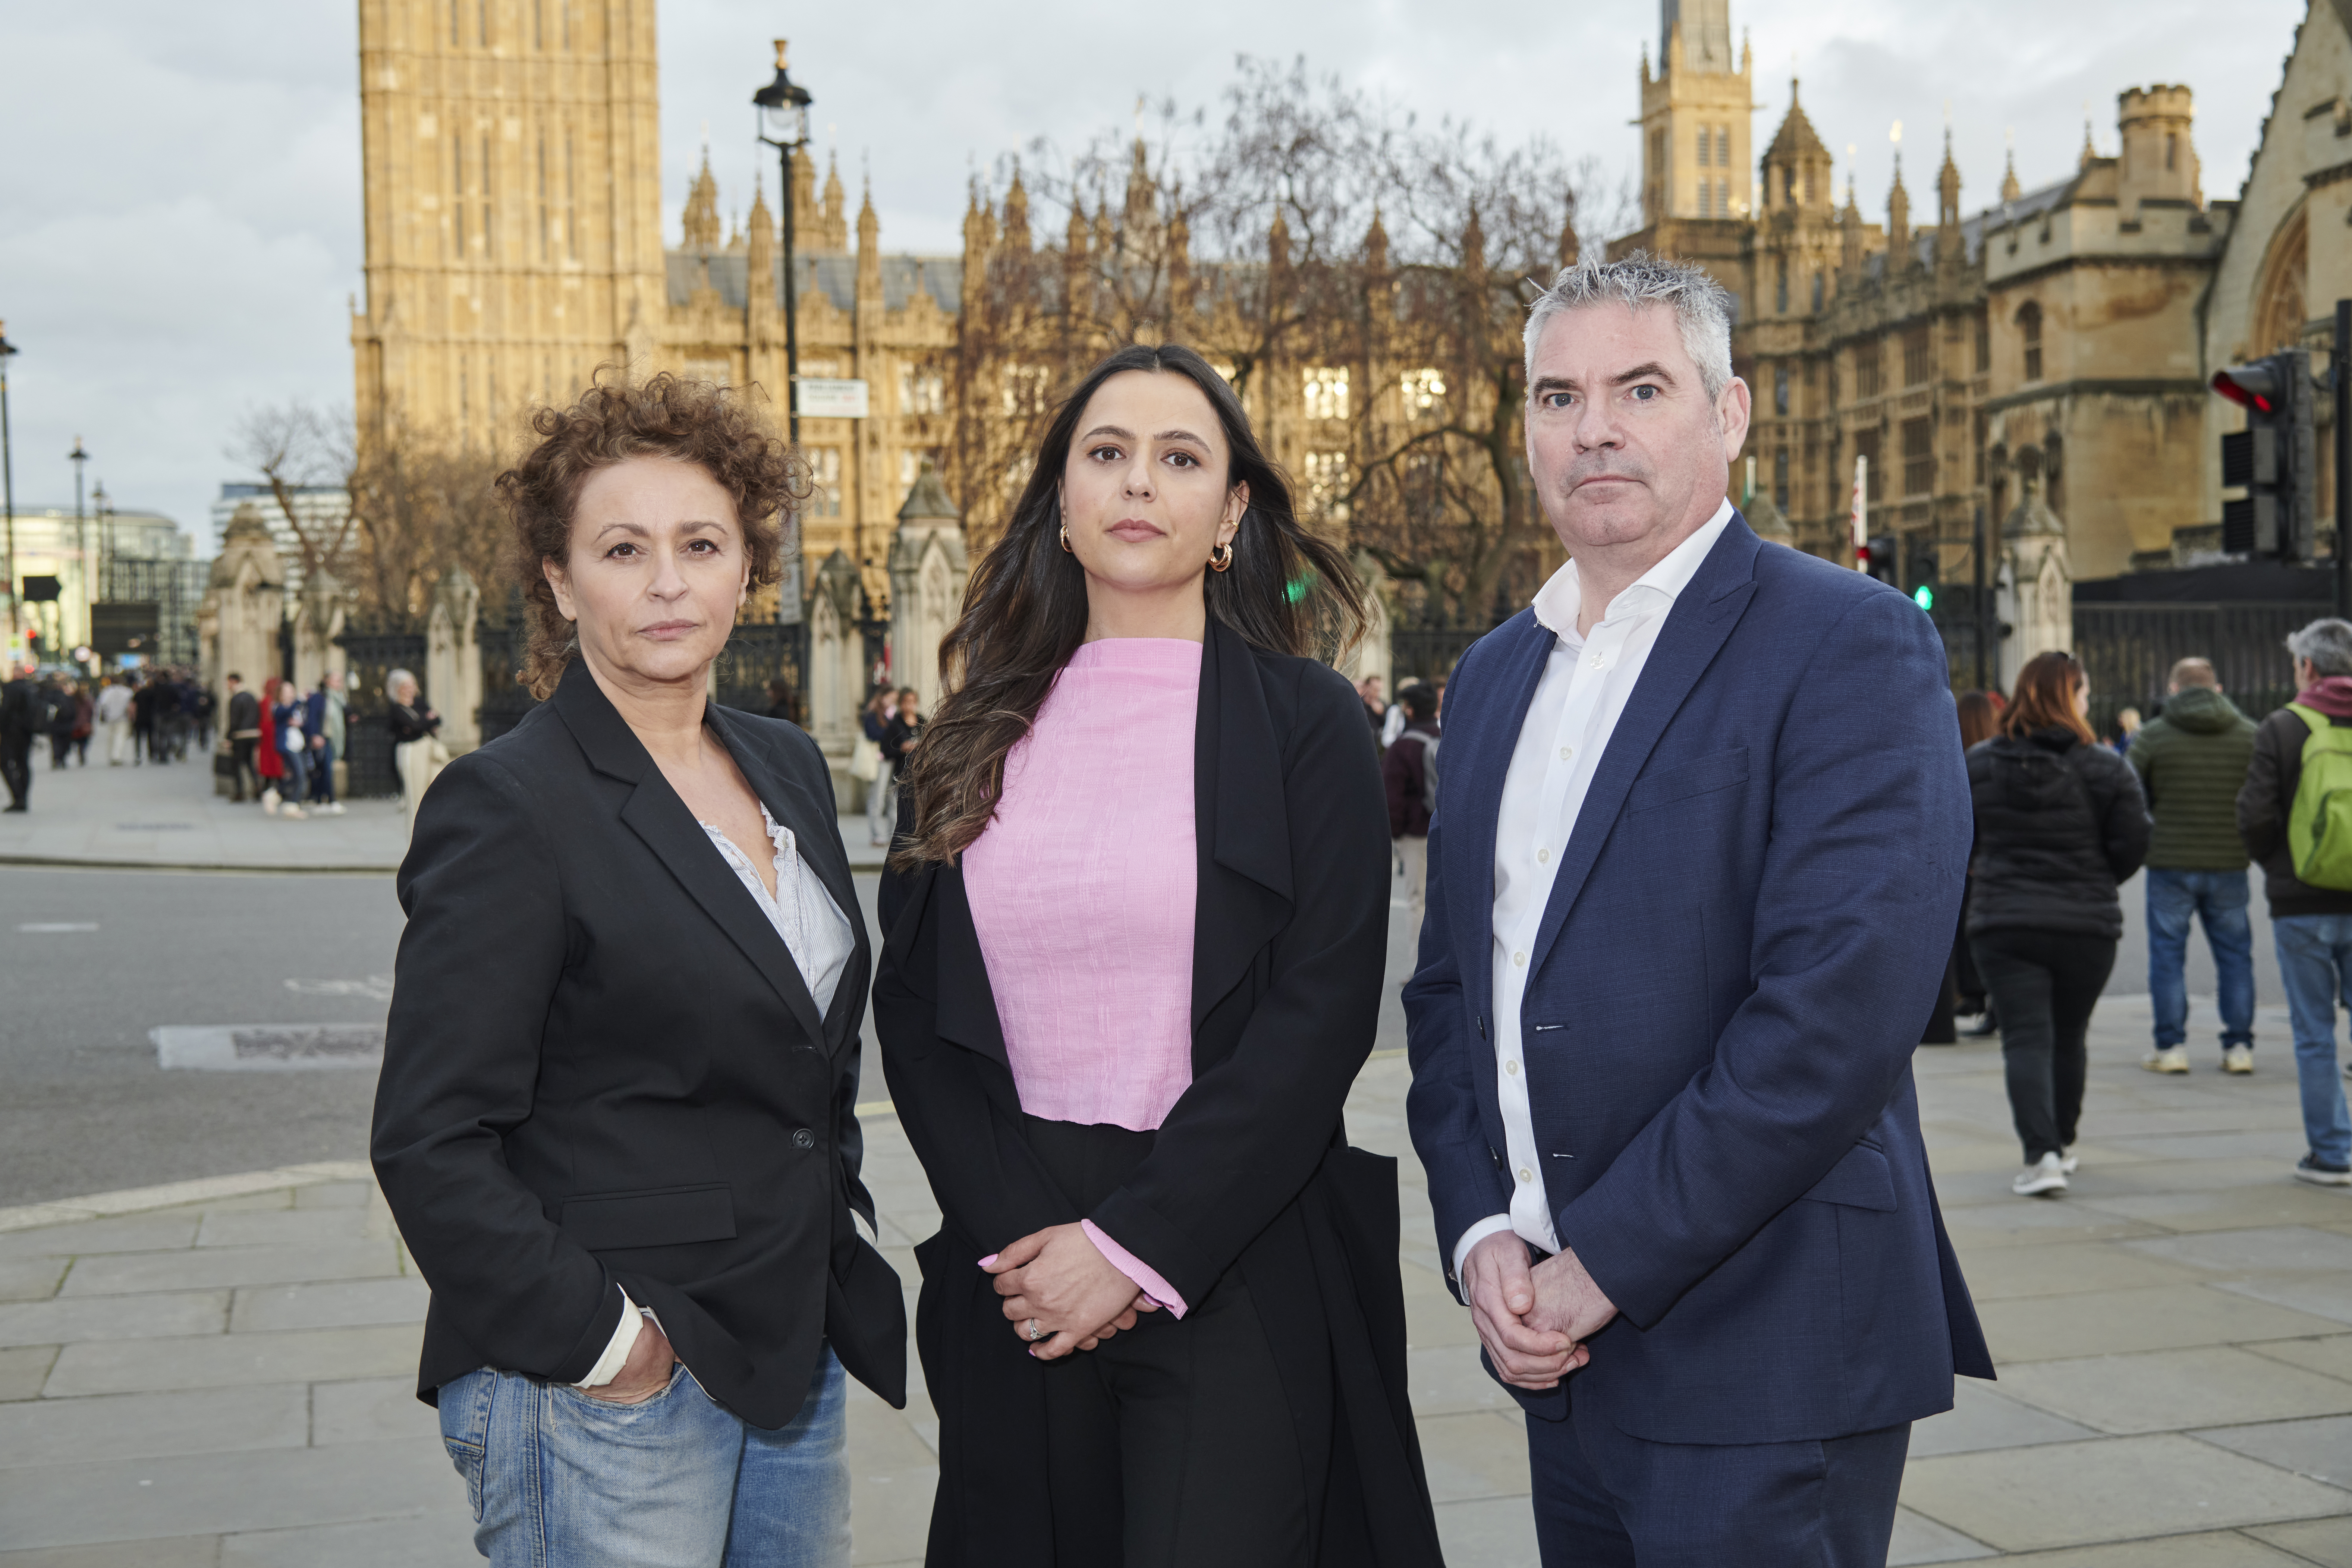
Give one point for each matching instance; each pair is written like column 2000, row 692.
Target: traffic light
column 1922, row 571
column 1882, row 559
column 2275, row 459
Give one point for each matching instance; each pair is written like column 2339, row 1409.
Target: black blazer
column 1252, row 1168
column 603, row 1070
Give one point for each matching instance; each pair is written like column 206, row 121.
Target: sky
column 180, row 226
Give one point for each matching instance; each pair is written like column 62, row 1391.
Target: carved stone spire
column 702, row 209
column 1016, row 228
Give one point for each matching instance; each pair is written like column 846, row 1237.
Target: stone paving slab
column 2075, row 1494
column 2173, row 1392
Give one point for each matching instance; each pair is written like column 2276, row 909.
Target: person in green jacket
column 2191, row 760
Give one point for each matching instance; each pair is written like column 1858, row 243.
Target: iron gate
column 367, row 744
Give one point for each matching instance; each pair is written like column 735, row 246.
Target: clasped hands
column 1533, row 1320
column 1060, row 1278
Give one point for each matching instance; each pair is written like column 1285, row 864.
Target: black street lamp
column 8, row 484
column 783, row 123
column 80, row 460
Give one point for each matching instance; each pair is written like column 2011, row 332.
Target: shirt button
column 1512, row 1068
column 1519, row 960
column 1566, row 752
column 1526, row 1175
column 804, row 1138
column 1543, row 857
column 1596, row 661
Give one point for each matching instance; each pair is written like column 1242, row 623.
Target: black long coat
column 602, row 1068
column 1251, row 1170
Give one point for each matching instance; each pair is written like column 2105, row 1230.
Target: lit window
column 1327, row 392
column 1421, row 390
column 1326, row 482
column 824, row 468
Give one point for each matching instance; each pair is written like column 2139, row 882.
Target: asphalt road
column 84, row 1107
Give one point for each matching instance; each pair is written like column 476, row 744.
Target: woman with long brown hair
column 2060, row 823
column 1134, row 963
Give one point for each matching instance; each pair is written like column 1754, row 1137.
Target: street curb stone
column 173, row 1194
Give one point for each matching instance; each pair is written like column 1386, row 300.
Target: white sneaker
column 335, row 808
column 2174, row 1060
column 2047, row 1174
column 2238, row 1059
column 294, row 812
column 2069, row 1162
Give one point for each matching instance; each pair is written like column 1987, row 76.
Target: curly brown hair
column 718, row 431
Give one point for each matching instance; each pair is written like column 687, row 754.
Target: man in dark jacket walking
column 2311, row 926
column 244, row 734
column 2191, row 760
column 20, row 714
column 1410, row 773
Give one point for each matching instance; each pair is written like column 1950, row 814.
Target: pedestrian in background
column 901, row 735
column 418, row 754
column 868, row 763
column 268, row 760
column 1369, row 689
column 61, row 713
column 85, row 720
column 2191, row 761
column 114, row 718
column 143, row 718
column 2127, row 725
column 1409, row 772
column 2300, row 770
column 243, row 737
column 17, row 725
column 1979, row 721
column 323, row 718
column 2060, row 823
column 283, row 743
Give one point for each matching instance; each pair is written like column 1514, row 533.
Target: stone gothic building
column 2053, row 346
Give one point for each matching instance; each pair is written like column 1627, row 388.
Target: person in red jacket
column 1409, row 770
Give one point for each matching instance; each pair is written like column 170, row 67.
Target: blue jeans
column 322, row 773
column 2315, row 955
column 555, row 1477
column 2176, row 898
column 298, row 776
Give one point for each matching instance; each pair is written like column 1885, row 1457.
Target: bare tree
column 1311, row 238
column 294, row 447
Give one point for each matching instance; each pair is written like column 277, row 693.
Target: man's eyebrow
column 1653, row 371
column 1545, row 385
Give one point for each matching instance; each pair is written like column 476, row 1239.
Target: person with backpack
column 1409, row 770
column 2060, row 824
column 2191, row 758
column 2295, row 813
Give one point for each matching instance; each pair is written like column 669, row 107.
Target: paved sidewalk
column 217, row 1373
column 166, row 815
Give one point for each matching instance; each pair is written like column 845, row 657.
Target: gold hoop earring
column 1065, row 540
column 1220, row 559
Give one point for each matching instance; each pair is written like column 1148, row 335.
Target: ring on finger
column 1033, row 1331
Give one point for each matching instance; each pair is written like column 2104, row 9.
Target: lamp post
column 784, row 121
column 8, row 482
column 99, row 504
column 80, row 460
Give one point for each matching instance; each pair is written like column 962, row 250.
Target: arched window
column 2029, row 331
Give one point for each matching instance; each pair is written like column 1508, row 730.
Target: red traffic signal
column 2254, row 386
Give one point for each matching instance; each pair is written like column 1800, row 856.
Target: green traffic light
column 1923, row 597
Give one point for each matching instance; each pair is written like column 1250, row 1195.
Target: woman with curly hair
column 1133, row 967
column 615, row 1122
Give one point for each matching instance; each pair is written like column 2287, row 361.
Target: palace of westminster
column 2041, row 362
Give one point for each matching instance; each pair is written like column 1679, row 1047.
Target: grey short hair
column 1702, row 307
column 394, row 677
column 2328, row 643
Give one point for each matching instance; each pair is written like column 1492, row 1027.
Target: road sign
column 823, row 397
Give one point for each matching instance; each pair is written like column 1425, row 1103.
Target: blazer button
column 804, row 1138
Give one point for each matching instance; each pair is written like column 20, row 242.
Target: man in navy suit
column 1692, row 885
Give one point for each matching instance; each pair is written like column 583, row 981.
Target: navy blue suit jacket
column 1750, row 923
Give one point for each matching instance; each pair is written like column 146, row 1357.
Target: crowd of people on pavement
column 152, row 714
column 2193, row 795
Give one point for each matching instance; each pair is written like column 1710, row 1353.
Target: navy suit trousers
column 1606, row 1500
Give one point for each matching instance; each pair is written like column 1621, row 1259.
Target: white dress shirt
column 821, row 941
column 1585, row 684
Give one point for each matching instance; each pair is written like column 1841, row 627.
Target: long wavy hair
column 1025, row 613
